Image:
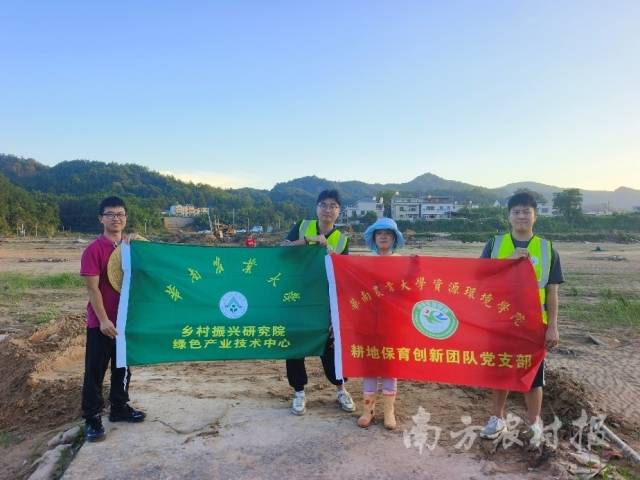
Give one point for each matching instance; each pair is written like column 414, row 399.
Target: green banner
column 194, row 303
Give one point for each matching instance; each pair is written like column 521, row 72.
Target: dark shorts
column 539, row 380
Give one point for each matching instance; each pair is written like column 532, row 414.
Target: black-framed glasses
column 328, row 206
column 112, row 215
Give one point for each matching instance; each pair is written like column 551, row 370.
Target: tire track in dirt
column 610, row 376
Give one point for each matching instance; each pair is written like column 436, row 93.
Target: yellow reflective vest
column 540, row 254
column 336, row 242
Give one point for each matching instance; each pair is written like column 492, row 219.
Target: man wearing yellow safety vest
column 321, row 231
column 521, row 242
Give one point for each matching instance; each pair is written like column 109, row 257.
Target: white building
column 187, row 210
column 423, row 208
column 598, row 209
column 361, row 207
column 405, row 208
column 544, row 210
column 437, row 208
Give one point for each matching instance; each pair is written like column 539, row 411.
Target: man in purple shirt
column 102, row 311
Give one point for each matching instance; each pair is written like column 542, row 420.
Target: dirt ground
column 40, row 257
column 223, row 420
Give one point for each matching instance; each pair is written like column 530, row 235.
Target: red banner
column 451, row 320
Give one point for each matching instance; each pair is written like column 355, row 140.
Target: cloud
column 220, row 180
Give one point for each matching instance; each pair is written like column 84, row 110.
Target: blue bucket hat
column 383, row 223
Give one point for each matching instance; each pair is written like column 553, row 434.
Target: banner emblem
column 434, row 319
column 233, row 305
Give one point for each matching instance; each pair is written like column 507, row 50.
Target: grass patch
column 21, row 281
column 13, row 285
column 7, row 439
column 42, row 317
column 608, row 309
column 66, row 457
column 602, row 300
column 618, row 472
column 592, row 285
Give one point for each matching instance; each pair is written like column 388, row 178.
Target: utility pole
column 209, row 217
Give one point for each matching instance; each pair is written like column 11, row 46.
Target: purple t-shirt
column 94, row 263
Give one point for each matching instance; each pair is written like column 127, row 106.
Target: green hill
column 71, row 191
column 76, row 188
column 20, row 208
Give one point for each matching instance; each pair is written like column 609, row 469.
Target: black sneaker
column 126, row 414
column 93, row 429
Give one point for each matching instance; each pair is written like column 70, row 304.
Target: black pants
column 99, row 352
column 539, row 380
column 297, row 372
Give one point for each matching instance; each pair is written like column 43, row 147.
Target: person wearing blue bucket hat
column 383, row 223
column 384, row 238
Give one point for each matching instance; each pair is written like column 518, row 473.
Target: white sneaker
column 345, row 401
column 298, row 405
column 494, row 427
column 536, row 431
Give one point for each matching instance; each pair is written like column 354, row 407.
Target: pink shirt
column 94, row 263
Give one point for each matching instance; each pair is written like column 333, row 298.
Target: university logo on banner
column 233, row 305
column 434, row 319
column 452, row 320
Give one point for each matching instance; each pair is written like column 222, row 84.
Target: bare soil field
column 40, row 257
column 231, row 420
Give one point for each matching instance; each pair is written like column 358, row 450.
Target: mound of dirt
column 565, row 397
column 40, row 385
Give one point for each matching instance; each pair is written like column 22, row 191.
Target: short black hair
column 522, row 199
column 111, row 202
column 333, row 194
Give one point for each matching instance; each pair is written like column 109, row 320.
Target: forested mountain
column 20, row 208
column 623, row 198
column 354, row 190
column 76, row 188
column 67, row 194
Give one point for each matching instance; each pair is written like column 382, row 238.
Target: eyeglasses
column 328, row 206
column 111, row 215
column 522, row 211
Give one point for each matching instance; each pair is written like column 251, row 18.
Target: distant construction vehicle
column 220, row 230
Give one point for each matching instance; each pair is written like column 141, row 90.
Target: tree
column 569, row 203
column 368, row 218
column 201, row 222
column 386, row 195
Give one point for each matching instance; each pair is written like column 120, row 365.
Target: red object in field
column 250, row 242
